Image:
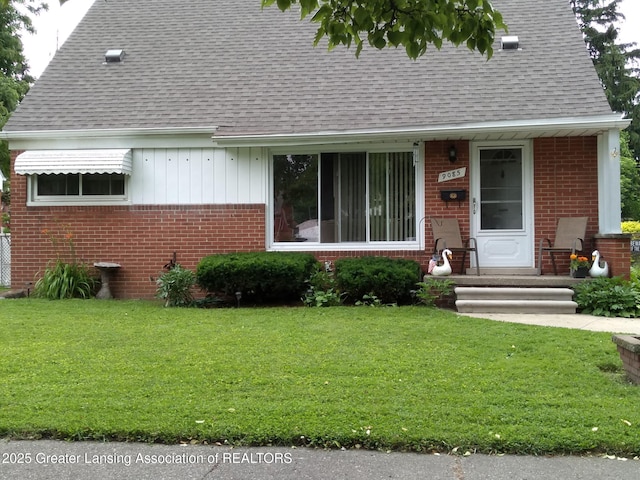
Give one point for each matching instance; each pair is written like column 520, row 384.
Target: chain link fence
column 5, row 260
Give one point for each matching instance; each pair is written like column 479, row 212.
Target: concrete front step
column 514, row 300
column 513, row 293
column 515, row 306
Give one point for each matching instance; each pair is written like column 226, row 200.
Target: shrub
column 608, row 297
column 175, row 287
column 632, row 227
column 259, row 276
column 389, row 280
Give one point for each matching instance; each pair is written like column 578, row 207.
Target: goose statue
column 445, row 268
column 598, row 270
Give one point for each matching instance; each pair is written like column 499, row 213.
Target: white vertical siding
column 171, row 181
column 219, row 176
column 193, row 176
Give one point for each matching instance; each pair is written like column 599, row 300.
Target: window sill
column 78, row 203
column 344, row 247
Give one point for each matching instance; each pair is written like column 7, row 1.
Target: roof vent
column 510, row 42
column 114, row 56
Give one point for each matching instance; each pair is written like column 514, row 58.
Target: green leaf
column 378, row 40
column 362, row 17
column 413, row 50
column 284, row 4
column 307, row 6
column 395, row 37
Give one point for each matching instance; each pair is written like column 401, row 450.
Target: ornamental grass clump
column 64, row 278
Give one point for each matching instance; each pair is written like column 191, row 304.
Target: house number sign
column 452, row 174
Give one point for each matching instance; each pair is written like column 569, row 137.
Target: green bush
column 65, row 280
column 175, row 287
column 389, row 280
column 608, row 297
column 259, row 276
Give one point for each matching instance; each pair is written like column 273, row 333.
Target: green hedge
column 260, row 276
column 390, row 280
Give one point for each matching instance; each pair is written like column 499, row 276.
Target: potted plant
column 579, row 266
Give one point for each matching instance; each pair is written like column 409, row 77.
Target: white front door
column 502, row 204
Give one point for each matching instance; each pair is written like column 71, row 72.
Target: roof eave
column 521, row 129
column 109, row 138
column 104, row 133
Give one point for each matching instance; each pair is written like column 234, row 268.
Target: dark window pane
column 58, row 184
column 295, row 190
column 95, row 184
column 103, row 184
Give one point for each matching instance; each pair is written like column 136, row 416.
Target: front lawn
column 406, row 378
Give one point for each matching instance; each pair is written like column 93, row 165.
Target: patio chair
column 446, row 233
column 569, row 239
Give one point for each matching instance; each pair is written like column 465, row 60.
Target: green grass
column 407, row 378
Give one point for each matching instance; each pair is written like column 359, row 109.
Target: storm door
column 502, row 205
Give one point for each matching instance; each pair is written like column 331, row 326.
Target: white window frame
column 33, row 199
column 411, row 245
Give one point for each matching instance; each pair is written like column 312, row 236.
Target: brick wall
column 629, row 349
column 616, row 250
column 436, row 162
column 565, row 185
column 141, row 239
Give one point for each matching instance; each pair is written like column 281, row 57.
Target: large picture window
column 344, row 197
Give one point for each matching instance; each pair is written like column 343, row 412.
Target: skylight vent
column 114, row 55
column 510, row 42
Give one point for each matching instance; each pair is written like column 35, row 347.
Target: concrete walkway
column 577, row 321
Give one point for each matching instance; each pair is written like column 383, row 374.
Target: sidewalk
column 48, row 460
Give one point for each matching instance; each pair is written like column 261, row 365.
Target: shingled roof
column 230, row 64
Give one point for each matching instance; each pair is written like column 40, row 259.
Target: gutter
column 470, row 131
column 109, row 138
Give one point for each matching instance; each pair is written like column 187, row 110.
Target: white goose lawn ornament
column 445, row 268
column 597, row 270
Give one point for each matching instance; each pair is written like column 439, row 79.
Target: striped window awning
column 44, row 162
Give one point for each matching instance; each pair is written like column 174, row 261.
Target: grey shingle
column 228, row 63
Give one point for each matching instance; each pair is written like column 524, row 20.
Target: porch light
column 453, row 154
